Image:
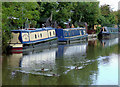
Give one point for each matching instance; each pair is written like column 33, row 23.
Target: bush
column 98, row 30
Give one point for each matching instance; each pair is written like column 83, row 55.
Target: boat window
column 35, row 36
column 69, row 33
column 80, row 33
column 50, row 33
column 72, row 33
column 65, row 34
column 53, row 33
column 84, row 31
column 40, row 35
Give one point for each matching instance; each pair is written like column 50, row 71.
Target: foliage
column 86, row 12
column 118, row 16
column 105, row 10
column 20, row 10
column 46, row 8
column 115, row 13
column 98, row 30
column 107, row 16
column 15, row 14
column 63, row 13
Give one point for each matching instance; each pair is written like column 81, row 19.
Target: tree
column 105, row 10
column 107, row 17
column 63, row 13
column 46, row 9
column 118, row 16
column 14, row 15
column 115, row 13
column 86, row 12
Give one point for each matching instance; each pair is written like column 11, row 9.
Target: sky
column 113, row 3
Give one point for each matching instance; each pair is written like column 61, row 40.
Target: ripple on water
column 102, row 57
column 35, row 72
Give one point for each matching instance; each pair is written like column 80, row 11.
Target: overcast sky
column 113, row 3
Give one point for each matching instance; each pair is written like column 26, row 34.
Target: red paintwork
column 91, row 31
column 17, row 50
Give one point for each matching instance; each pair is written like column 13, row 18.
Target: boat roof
column 33, row 29
column 110, row 27
column 74, row 28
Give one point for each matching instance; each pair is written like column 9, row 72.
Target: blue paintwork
column 110, row 30
column 70, row 34
column 20, row 37
column 36, row 30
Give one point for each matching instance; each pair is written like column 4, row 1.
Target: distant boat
column 26, row 37
column 69, row 34
column 108, row 32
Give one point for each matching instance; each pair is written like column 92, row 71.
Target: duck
column 42, row 69
column 76, row 67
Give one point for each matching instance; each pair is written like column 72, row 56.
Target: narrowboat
column 30, row 36
column 69, row 34
column 108, row 32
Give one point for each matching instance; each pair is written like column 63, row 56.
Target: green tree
column 64, row 11
column 107, row 17
column 14, row 15
column 86, row 12
column 118, row 15
column 20, row 10
column 105, row 10
column 46, row 9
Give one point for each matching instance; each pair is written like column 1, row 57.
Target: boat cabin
column 70, row 33
column 109, row 30
column 31, row 36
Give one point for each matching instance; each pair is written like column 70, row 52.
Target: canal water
column 93, row 62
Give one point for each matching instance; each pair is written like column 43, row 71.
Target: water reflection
column 68, row 64
column 14, row 60
column 109, row 42
column 71, row 50
column 46, row 62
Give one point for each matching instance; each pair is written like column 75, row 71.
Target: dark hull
column 43, row 45
column 40, row 45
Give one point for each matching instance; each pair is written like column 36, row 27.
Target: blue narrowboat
column 28, row 36
column 108, row 32
column 69, row 34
